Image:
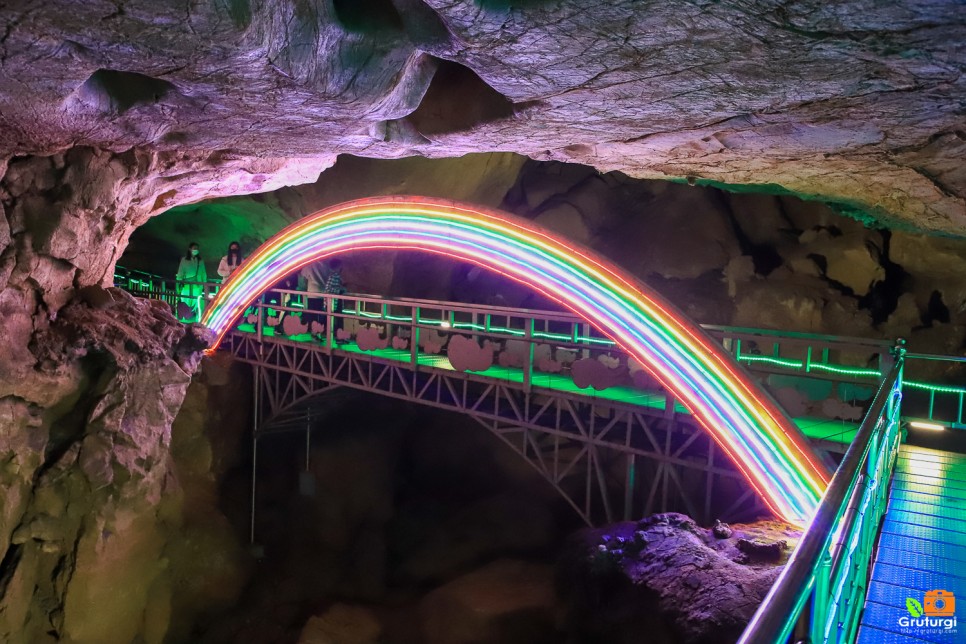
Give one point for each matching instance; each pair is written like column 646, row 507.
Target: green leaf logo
column 914, row 607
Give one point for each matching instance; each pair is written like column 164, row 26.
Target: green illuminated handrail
column 820, row 593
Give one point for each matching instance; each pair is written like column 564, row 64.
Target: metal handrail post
column 260, row 323
column 255, row 413
column 414, row 338
column 528, row 362
column 329, row 323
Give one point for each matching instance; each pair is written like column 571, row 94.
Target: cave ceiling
column 859, row 104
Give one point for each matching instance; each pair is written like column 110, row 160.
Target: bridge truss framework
column 607, row 459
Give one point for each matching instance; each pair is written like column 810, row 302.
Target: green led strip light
column 815, row 366
column 848, row 371
column 937, row 388
column 781, row 362
column 845, row 371
column 786, row 363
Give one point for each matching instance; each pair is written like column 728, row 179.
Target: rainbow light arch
column 761, row 440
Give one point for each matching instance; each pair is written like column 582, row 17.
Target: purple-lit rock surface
column 857, row 103
column 669, row 578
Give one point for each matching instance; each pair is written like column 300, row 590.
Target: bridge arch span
column 760, row 439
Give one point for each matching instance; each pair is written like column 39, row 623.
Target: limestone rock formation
column 667, row 577
column 90, row 382
column 91, row 494
column 856, row 103
column 67, row 217
column 478, row 178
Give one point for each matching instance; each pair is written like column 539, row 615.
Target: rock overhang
column 857, row 104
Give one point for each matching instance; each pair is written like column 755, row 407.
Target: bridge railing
column 848, row 367
column 537, row 342
column 814, row 355
column 819, row 595
column 938, row 403
column 168, row 290
column 546, row 336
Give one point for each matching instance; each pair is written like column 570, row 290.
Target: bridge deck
column 922, row 546
column 833, row 431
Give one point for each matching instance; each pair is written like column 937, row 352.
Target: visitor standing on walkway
column 334, row 286
column 230, row 262
column 190, row 277
column 314, row 276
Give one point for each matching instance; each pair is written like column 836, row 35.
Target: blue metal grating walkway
column 922, row 546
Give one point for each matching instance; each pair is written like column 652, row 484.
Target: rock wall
column 87, row 473
column 109, row 527
column 759, row 260
column 90, row 382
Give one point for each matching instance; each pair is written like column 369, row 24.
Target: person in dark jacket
column 230, row 262
column 334, row 286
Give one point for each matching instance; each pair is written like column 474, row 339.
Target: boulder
column 505, row 602
column 669, row 578
column 760, row 305
column 342, row 624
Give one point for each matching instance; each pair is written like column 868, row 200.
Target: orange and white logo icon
column 939, row 603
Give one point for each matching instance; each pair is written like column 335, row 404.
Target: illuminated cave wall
column 741, row 258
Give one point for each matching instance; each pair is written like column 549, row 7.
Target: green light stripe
column 846, row 371
column 937, row 388
column 781, row 362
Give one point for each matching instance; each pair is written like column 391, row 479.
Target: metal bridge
column 615, row 445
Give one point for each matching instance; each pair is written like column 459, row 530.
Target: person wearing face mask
column 231, row 261
column 191, row 274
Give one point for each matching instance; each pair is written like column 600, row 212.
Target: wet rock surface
column 90, row 383
column 667, row 577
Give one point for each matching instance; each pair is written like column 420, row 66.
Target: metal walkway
column 922, row 546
